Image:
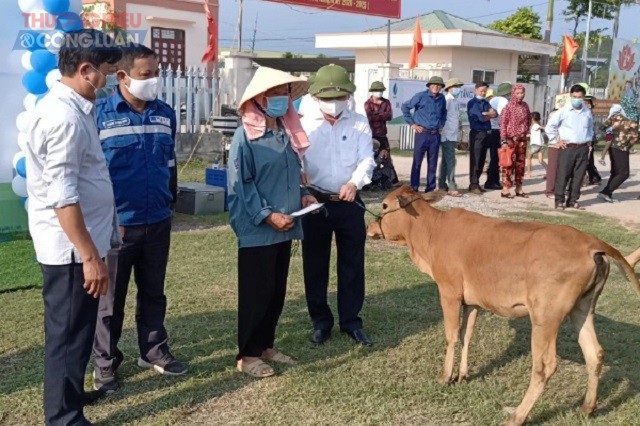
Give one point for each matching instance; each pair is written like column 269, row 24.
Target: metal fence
column 193, row 95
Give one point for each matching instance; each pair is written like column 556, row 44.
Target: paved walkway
column 627, row 209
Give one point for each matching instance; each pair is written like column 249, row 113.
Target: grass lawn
column 391, row 383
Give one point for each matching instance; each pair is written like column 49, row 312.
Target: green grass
column 392, row 383
column 18, row 266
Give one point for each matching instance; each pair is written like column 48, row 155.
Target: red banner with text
column 386, row 8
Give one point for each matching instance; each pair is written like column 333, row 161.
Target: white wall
column 194, row 25
column 466, row 60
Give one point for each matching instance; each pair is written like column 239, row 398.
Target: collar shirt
column 429, row 111
column 477, row 121
column 65, row 165
column 498, row 103
column 139, row 148
column 378, row 115
column 451, row 130
column 570, row 125
column 340, row 153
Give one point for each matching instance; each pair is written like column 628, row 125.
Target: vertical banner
column 624, row 71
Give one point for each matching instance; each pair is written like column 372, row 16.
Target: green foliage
column 578, row 10
column 523, row 23
column 289, row 55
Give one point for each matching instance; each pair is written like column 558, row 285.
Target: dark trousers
column 572, row 165
column 552, row 170
column 592, row 171
column 346, row 220
column 69, row 326
column 145, row 250
column 493, row 174
column 619, row 170
column 262, row 287
column 426, row 142
column 479, row 144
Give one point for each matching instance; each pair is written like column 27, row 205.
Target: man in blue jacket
column 137, row 132
column 480, row 114
column 428, row 119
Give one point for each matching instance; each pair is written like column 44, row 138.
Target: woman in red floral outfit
column 514, row 128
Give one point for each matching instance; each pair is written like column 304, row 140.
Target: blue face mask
column 576, row 103
column 277, row 106
column 480, row 98
column 456, row 92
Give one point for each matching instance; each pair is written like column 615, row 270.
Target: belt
column 432, row 131
column 576, row 145
column 485, row 131
column 323, row 197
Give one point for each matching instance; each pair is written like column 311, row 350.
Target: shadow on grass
column 618, row 340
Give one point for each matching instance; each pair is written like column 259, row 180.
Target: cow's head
column 398, row 208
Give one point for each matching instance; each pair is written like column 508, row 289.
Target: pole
column 544, row 60
column 389, row 41
column 240, row 27
column 616, row 21
column 585, row 48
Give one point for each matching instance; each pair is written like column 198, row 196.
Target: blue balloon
column 35, row 82
column 21, row 167
column 68, row 22
column 56, row 7
column 43, row 61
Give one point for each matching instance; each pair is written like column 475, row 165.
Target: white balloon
column 25, row 60
column 17, row 158
column 75, row 6
column 22, row 121
column 26, row 205
column 53, row 76
column 23, row 141
column 19, row 186
column 29, row 101
column 28, row 6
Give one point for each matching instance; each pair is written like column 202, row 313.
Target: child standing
column 537, row 143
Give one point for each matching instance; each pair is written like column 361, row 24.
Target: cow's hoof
column 444, row 379
column 461, row 378
column 588, row 409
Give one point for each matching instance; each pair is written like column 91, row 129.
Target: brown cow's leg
column 544, row 333
column 582, row 318
column 451, row 311
column 469, row 316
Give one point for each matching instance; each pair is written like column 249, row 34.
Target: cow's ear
column 433, row 197
column 403, row 201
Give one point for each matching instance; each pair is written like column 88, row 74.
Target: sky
column 292, row 28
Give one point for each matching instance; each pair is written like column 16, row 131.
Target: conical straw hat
column 266, row 78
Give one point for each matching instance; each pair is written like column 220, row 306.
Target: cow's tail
column 623, row 265
column 633, row 258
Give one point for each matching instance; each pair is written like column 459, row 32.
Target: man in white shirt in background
column 338, row 164
column 71, row 218
column 497, row 102
column 572, row 128
column 450, row 135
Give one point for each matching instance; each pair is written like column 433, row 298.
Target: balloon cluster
column 40, row 62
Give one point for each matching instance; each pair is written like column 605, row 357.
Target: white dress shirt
column 340, row 153
column 498, row 103
column 451, row 129
column 571, row 125
column 66, row 165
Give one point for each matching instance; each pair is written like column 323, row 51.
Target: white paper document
column 313, row 207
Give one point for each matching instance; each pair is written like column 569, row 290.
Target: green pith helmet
column 436, row 80
column 504, row 89
column 332, row 81
column 377, row 86
column 311, row 79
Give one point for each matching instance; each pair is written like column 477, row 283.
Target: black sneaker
column 168, row 366
column 105, row 380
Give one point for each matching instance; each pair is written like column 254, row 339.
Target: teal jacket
column 263, row 177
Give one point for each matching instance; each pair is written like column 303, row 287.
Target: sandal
column 576, row 206
column 454, row 193
column 509, row 196
column 281, row 358
column 522, row 194
column 258, row 369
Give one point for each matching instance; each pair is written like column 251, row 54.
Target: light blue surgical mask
column 456, row 92
column 277, row 106
column 480, row 98
column 576, row 103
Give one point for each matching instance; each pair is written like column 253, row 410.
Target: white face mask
column 145, row 90
column 377, row 95
column 333, row 108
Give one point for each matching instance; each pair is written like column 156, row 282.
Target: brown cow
column 633, row 258
column 512, row 269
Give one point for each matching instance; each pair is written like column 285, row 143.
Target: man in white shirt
column 71, row 218
column 450, row 135
column 497, row 102
column 338, row 163
column 572, row 128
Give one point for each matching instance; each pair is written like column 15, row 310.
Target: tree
column 289, row 55
column 523, row 23
column 577, row 10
